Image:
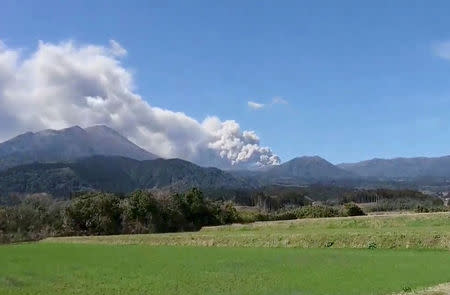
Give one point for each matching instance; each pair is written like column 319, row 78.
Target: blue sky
column 362, row 79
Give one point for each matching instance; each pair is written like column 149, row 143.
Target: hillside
column 52, row 146
column 113, row 174
column 306, row 169
column 401, row 167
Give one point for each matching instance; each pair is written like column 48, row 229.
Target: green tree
column 141, row 213
column 94, row 213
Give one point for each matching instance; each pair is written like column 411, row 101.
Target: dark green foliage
column 56, row 179
column 195, row 209
column 227, row 213
column 141, row 213
column 370, row 196
column 351, row 209
column 423, row 209
column 36, row 217
column 94, row 213
column 272, row 200
column 3, row 225
column 317, row 211
column 391, row 200
column 285, row 215
column 402, row 204
column 113, row 174
column 39, row 216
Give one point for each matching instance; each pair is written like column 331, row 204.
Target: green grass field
column 260, row 258
column 108, row 269
column 400, row 231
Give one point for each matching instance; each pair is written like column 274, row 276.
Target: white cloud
column 254, row 105
column 117, row 49
column 279, row 100
column 257, row 106
column 442, row 49
column 66, row 84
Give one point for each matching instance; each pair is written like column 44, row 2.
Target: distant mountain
column 64, row 161
column 114, row 174
column 401, row 168
column 52, row 146
column 308, row 169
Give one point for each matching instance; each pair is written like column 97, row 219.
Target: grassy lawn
column 110, row 269
column 401, row 231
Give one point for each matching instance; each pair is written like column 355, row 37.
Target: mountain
column 113, row 174
column 67, row 160
column 52, row 146
column 307, row 169
column 401, row 168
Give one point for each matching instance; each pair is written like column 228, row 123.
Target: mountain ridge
column 68, row 144
column 76, row 144
column 113, row 174
column 308, row 168
column 401, row 167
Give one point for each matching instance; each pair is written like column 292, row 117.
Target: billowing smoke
column 65, row 84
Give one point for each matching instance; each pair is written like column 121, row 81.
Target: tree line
column 390, row 200
column 97, row 213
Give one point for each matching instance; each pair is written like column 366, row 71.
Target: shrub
column 317, row 211
column 227, row 213
column 351, row 209
column 36, row 217
column 245, row 216
column 141, row 213
column 423, row 209
column 285, row 215
column 98, row 213
column 406, row 204
column 196, row 210
column 94, row 213
column 3, row 225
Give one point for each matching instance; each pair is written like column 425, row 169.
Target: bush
column 227, row 213
column 317, row 211
column 351, row 209
column 36, row 217
column 3, row 225
column 406, row 204
column 247, row 216
column 195, row 209
column 285, row 215
column 94, row 214
column 141, row 213
column 98, row 213
column 423, row 209
column 289, row 214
